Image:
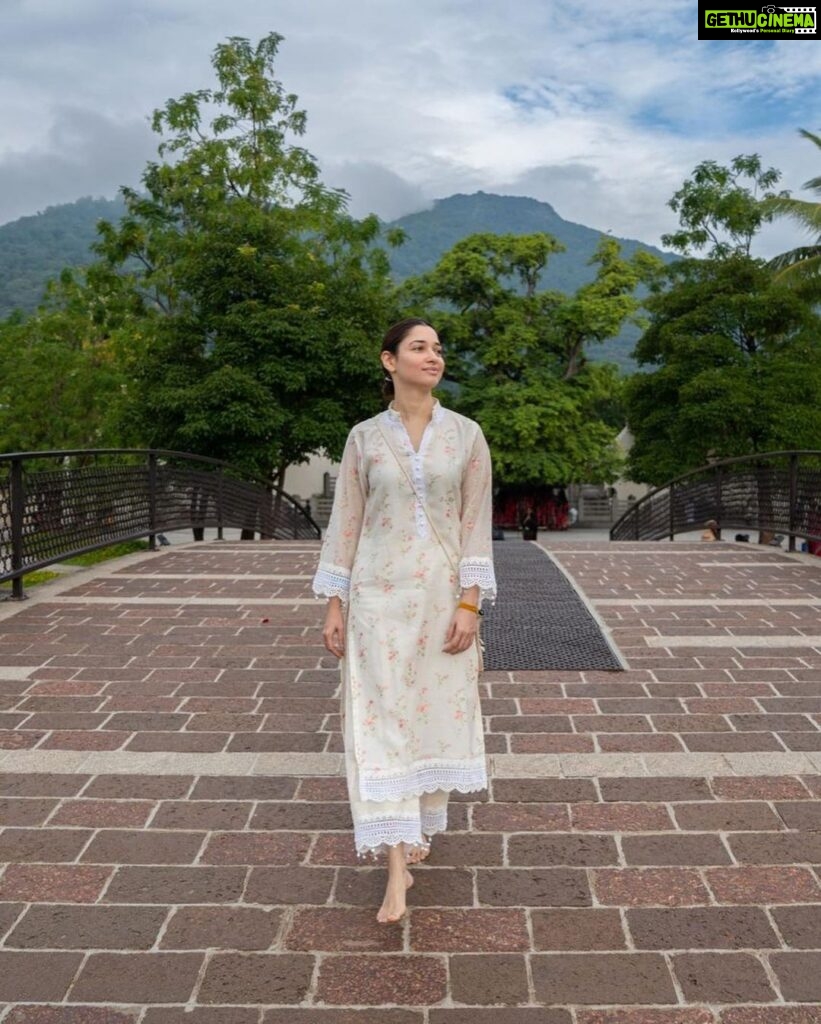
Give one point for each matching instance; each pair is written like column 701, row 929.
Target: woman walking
column 405, row 563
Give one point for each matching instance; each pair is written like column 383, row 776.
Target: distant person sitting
column 530, row 525
column 710, row 530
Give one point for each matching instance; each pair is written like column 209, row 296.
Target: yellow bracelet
column 470, row 607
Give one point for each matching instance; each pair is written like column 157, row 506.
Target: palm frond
column 807, row 214
column 802, row 258
column 800, row 268
column 809, row 135
column 813, row 183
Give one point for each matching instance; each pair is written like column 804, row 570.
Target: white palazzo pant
column 380, row 824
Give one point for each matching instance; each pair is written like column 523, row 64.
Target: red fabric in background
column 550, row 506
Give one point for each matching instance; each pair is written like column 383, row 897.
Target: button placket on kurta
column 417, row 459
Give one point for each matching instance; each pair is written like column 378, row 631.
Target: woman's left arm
column 476, row 577
column 476, row 534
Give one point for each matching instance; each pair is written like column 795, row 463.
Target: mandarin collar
column 436, row 415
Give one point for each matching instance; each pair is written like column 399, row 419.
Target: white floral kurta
column 415, row 710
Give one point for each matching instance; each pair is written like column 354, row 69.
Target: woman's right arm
column 336, row 558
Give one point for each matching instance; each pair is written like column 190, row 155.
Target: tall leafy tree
column 731, row 358
column 517, row 352
column 720, row 208
column 263, row 299
column 61, row 375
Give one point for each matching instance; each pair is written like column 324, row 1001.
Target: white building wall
column 305, row 480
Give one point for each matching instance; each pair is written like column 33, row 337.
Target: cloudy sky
column 600, row 109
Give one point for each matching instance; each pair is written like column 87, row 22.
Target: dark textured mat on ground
column 539, row 621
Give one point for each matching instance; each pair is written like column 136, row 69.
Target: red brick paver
column 196, row 898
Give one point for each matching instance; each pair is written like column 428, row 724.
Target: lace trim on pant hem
column 434, row 821
column 373, row 837
column 466, row 777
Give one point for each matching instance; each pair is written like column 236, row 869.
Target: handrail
column 777, row 491
column 58, row 453
column 54, row 512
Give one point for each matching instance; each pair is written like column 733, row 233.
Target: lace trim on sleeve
column 332, row 581
column 473, row 571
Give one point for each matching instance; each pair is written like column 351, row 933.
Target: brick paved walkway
column 175, row 845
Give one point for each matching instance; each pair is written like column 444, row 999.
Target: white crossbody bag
column 480, row 647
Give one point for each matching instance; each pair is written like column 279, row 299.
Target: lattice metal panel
column 752, row 494
column 5, row 519
column 67, row 504
column 807, row 512
column 693, row 503
column 189, row 497
column 649, row 520
column 185, row 497
column 757, row 495
column 67, row 509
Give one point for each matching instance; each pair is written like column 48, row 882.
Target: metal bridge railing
column 775, row 491
column 57, row 504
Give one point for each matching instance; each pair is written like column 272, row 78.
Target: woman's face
column 419, row 361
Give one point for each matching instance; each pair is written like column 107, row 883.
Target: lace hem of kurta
column 464, row 776
column 332, row 581
column 478, row 571
column 375, row 835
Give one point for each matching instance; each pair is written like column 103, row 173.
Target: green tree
column 61, row 379
column 732, row 355
column 801, row 267
column 263, row 299
column 721, row 207
column 516, row 352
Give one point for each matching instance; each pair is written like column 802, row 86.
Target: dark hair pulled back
column 390, row 343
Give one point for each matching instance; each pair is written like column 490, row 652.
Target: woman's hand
column 461, row 631
column 333, row 633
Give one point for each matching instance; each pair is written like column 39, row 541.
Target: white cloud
column 375, row 189
column 601, row 112
column 83, row 153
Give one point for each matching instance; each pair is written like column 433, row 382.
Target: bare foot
column 394, row 906
column 419, row 853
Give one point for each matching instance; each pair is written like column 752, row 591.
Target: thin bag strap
column 416, row 494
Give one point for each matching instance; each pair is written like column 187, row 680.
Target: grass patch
column 40, row 576
column 127, row 547
column 32, row 579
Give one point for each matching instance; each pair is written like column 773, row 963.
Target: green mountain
column 432, row 232
column 35, row 249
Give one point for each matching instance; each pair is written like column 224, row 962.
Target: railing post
column 719, row 499
column 671, row 491
column 793, row 498
column 18, row 508
column 219, row 503
column 152, row 501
